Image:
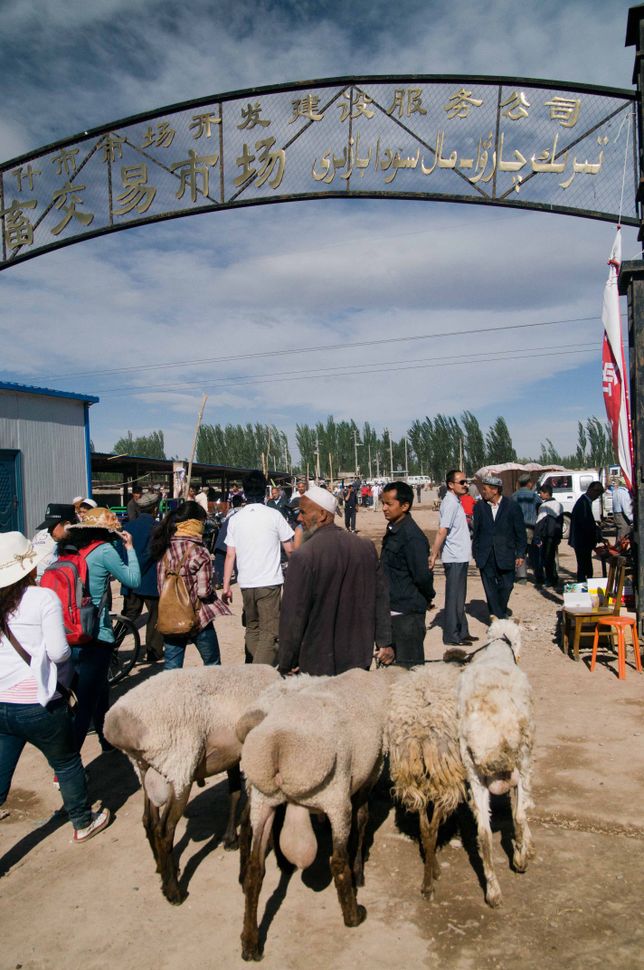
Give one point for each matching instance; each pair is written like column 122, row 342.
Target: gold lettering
column 138, row 195
column 66, row 199
column 194, row 173
column 18, row 230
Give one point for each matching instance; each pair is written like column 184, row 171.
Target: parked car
column 569, row 485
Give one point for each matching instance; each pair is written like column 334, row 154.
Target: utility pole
column 377, row 464
column 370, row 469
column 406, row 461
column 355, row 453
column 391, row 455
column 317, row 457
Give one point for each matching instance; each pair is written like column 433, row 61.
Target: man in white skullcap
column 335, row 605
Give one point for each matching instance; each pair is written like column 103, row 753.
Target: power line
column 283, row 352
column 322, row 373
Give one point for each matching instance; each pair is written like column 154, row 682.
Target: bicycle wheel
column 125, row 653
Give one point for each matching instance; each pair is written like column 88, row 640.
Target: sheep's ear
column 247, row 722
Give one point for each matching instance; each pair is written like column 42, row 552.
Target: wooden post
column 194, row 445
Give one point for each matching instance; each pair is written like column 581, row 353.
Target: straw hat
column 17, row 558
column 98, row 518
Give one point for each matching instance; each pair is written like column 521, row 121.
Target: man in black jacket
column 404, row 558
column 584, row 531
column 499, row 543
column 335, row 604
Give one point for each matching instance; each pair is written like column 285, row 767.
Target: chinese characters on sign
column 495, row 138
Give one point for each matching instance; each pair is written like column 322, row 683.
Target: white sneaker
column 100, row 821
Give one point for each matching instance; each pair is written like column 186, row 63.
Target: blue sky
column 180, row 297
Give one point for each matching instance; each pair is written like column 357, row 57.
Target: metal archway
column 518, row 142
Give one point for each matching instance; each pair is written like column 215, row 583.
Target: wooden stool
column 620, row 623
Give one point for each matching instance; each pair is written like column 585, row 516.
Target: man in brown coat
column 335, row 604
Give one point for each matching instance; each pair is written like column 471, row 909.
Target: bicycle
column 127, row 646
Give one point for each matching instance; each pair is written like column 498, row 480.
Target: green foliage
column 498, row 442
column 246, row 446
column 594, row 447
column 146, row 446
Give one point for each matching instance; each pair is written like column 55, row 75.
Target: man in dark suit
column 584, row 532
column 499, row 543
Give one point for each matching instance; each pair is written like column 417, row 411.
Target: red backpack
column 67, row 577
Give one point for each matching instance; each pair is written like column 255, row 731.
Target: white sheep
column 425, row 763
column 313, row 744
column 496, row 731
column 453, row 734
column 179, row 727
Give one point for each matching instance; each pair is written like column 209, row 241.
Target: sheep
column 313, row 744
column 496, row 732
column 177, row 728
column 454, row 735
column 425, row 762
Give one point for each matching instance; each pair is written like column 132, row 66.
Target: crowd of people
column 317, row 598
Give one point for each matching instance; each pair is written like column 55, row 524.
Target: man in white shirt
column 254, row 538
column 622, row 510
column 455, row 547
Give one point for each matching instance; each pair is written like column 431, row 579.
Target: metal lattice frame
column 515, row 142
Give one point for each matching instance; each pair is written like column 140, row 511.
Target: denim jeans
column 205, row 641
column 91, row 662
column 50, row 730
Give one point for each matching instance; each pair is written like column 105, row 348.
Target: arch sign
column 504, row 141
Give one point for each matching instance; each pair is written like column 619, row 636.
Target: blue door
column 11, row 518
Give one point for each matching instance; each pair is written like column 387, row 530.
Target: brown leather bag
column 177, row 614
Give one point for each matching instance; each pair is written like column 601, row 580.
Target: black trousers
column 584, row 556
column 498, row 584
column 408, row 632
column 350, row 518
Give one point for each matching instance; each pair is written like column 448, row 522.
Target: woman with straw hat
column 33, row 654
column 92, row 660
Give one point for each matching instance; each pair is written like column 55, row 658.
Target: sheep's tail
column 424, row 772
column 290, row 759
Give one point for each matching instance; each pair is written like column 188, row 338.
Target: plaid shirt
column 197, row 573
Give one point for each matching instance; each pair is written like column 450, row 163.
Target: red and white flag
column 614, row 376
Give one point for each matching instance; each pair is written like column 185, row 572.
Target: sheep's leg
column 166, row 862
column 352, row 913
column 245, row 837
column 360, row 826
column 523, row 846
column 231, row 840
column 151, row 824
column 428, row 836
column 262, row 823
column 481, row 807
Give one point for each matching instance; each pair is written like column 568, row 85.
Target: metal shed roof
column 47, row 392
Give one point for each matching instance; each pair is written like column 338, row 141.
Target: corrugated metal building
column 44, row 452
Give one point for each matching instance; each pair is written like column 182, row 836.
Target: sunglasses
column 463, row 481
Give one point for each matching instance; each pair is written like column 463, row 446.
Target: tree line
column 431, row 447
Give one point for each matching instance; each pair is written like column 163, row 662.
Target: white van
column 569, row 485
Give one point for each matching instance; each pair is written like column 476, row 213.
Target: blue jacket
column 504, row 536
column 140, row 529
column 528, row 502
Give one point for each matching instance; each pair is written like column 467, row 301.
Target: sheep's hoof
column 360, row 917
column 520, row 861
column 174, row 895
column 231, row 843
column 427, row 892
column 252, row 951
column 493, row 897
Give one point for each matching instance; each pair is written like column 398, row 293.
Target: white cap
column 321, row 497
column 90, row 501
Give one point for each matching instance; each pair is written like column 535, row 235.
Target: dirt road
column 577, row 906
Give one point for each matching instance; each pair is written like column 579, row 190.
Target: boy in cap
column 51, row 530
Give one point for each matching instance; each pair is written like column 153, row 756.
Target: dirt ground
column 577, row 906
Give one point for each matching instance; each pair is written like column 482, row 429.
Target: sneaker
column 100, row 821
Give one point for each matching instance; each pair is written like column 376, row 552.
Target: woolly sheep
column 454, row 734
column 496, row 730
column 313, row 744
column 177, row 728
column 425, row 762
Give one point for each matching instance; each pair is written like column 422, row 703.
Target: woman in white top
column 31, row 708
